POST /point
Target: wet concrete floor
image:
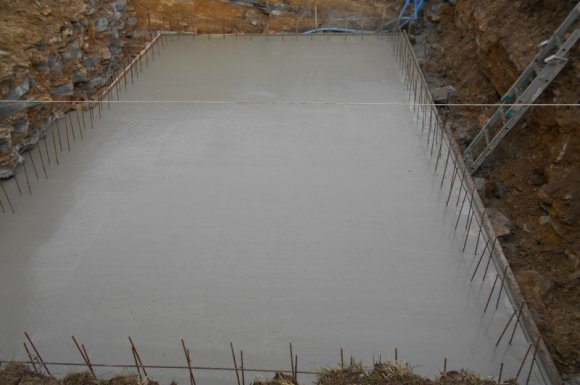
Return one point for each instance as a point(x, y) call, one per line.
point(291, 202)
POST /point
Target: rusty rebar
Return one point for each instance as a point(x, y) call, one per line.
point(188, 360)
point(516, 324)
point(455, 168)
point(296, 368)
point(508, 324)
point(472, 212)
point(30, 357)
point(138, 357)
point(2, 207)
point(291, 359)
point(524, 361)
point(33, 165)
point(501, 289)
point(235, 363)
point(500, 373)
point(46, 149)
point(54, 146)
point(480, 258)
point(84, 355)
point(42, 162)
point(67, 136)
point(72, 127)
point(489, 259)
point(533, 360)
point(17, 184)
point(491, 292)
point(58, 133)
point(26, 175)
point(37, 354)
point(7, 198)
point(242, 367)
point(136, 363)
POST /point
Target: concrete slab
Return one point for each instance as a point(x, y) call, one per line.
point(271, 191)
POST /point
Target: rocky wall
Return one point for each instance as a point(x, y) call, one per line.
point(55, 51)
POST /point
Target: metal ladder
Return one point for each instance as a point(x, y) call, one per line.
point(531, 83)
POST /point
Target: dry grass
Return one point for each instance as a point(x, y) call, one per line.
point(384, 373)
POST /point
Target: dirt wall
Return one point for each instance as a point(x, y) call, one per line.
point(533, 177)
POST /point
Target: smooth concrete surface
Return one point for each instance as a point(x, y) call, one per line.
point(305, 212)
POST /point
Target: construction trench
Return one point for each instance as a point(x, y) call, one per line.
point(302, 190)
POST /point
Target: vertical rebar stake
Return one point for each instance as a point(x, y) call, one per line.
point(242, 367)
point(523, 361)
point(516, 325)
point(235, 363)
point(37, 354)
point(30, 357)
point(291, 359)
point(7, 197)
point(26, 175)
point(491, 292)
point(508, 324)
point(42, 161)
point(533, 360)
point(501, 289)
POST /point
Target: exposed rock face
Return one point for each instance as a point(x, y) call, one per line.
point(480, 47)
point(51, 52)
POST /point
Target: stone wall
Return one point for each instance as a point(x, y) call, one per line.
point(53, 51)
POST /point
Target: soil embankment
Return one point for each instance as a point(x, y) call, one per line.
point(533, 177)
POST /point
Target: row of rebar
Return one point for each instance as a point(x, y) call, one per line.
point(441, 145)
point(40, 366)
point(71, 122)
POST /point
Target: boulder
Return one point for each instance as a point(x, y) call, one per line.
point(72, 52)
point(79, 75)
point(101, 24)
point(63, 90)
point(19, 91)
point(443, 94)
point(501, 224)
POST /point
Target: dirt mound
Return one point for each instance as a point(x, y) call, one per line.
point(19, 374)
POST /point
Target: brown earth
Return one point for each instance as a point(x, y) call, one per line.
point(19, 374)
point(533, 177)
